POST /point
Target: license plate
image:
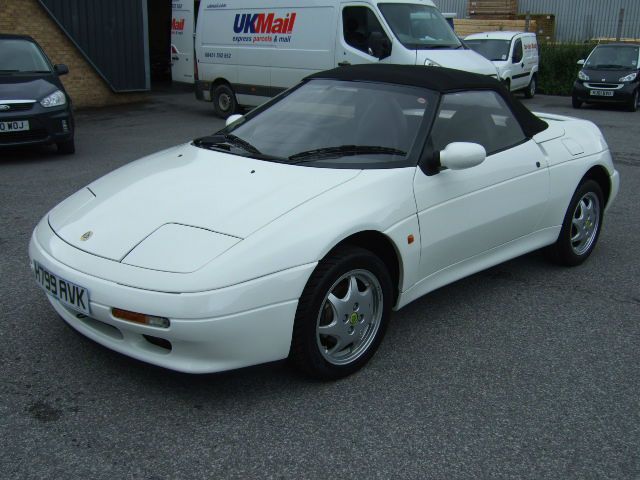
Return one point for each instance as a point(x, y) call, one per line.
point(601, 93)
point(70, 294)
point(16, 126)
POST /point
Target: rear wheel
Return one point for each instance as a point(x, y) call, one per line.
point(581, 225)
point(342, 314)
point(224, 101)
point(530, 91)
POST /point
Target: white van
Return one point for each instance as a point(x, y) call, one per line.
point(247, 52)
point(515, 55)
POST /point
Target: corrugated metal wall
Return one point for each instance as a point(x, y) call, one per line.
point(576, 20)
point(111, 34)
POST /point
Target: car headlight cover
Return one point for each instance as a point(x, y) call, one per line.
point(582, 75)
point(430, 63)
point(179, 248)
point(54, 99)
point(629, 78)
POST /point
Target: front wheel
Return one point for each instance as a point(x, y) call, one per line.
point(575, 102)
point(66, 147)
point(530, 91)
point(224, 101)
point(581, 225)
point(342, 314)
point(633, 105)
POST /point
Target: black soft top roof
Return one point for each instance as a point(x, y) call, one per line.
point(443, 80)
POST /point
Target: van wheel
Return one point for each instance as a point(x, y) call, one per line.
point(530, 91)
point(224, 101)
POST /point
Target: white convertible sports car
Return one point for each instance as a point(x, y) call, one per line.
point(296, 229)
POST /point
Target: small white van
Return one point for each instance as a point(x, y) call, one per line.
point(248, 50)
point(515, 55)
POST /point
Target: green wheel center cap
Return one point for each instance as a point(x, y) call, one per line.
point(353, 319)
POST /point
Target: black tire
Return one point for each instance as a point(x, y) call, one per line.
point(581, 225)
point(67, 147)
point(575, 102)
point(633, 105)
point(224, 101)
point(366, 312)
point(530, 91)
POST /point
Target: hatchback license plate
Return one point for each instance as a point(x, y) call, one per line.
point(601, 93)
point(16, 126)
point(70, 294)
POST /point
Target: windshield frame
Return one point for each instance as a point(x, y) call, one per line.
point(491, 41)
point(609, 51)
point(36, 48)
point(456, 42)
point(410, 160)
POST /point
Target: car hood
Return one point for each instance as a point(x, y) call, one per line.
point(460, 59)
point(228, 195)
point(26, 87)
point(607, 75)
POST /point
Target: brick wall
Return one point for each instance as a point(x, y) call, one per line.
point(84, 85)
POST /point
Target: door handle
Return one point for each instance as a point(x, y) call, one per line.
point(344, 64)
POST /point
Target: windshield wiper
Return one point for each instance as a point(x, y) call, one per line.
point(9, 71)
point(343, 151)
point(224, 141)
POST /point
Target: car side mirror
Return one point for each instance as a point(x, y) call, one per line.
point(61, 69)
point(461, 155)
point(380, 45)
point(233, 118)
point(581, 61)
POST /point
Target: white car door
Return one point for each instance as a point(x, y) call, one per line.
point(464, 213)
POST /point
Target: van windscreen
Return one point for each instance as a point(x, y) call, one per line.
point(419, 27)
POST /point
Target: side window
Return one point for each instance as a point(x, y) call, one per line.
point(517, 51)
point(362, 30)
point(476, 116)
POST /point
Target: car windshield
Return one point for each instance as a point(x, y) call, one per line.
point(17, 55)
point(620, 57)
point(419, 26)
point(491, 49)
point(331, 123)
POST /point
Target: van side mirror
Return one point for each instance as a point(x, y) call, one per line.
point(581, 61)
point(461, 155)
point(61, 69)
point(379, 45)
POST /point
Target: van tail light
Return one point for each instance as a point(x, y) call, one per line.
point(196, 72)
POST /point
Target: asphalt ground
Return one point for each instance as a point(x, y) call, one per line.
point(526, 370)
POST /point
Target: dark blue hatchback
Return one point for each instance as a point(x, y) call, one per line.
point(34, 106)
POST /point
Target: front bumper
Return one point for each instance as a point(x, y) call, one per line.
point(203, 90)
point(210, 331)
point(619, 93)
point(46, 126)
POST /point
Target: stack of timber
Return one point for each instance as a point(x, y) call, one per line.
point(464, 27)
point(488, 15)
point(545, 25)
point(503, 8)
